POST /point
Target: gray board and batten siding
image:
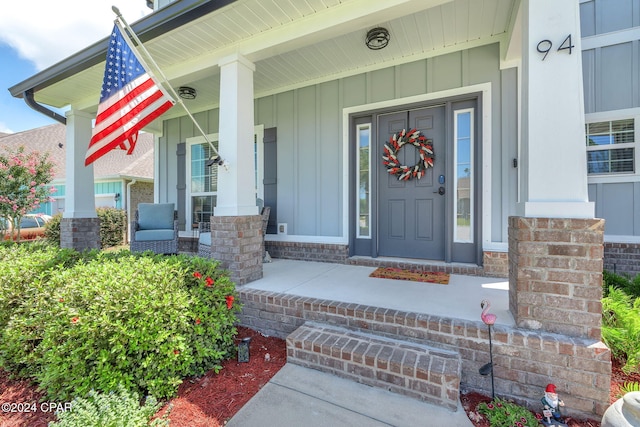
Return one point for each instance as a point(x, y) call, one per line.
point(611, 75)
point(309, 135)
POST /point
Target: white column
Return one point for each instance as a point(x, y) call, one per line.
point(79, 191)
point(236, 183)
point(553, 175)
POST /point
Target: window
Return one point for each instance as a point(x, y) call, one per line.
point(363, 181)
point(463, 184)
point(611, 147)
point(203, 182)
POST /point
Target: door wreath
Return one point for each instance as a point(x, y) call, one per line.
point(396, 142)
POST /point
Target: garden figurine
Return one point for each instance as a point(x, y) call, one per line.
point(551, 413)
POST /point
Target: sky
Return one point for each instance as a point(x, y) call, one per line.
point(37, 34)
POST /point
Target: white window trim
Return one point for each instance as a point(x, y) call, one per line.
point(188, 193)
point(358, 129)
point(471, 177)
point(608, 116)
point(259, 138)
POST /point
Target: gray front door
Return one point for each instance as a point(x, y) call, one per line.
point(411, 213)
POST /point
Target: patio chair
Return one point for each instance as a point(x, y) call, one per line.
point(155, 228)
point(204, 239)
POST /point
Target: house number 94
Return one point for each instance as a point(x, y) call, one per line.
point(544, 46)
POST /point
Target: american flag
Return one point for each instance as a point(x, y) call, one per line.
point(130, 99)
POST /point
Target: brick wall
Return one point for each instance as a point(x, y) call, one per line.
point(236, 241)
point(80, 233)
point(141, 192)
point(495, 264)
point(322, 252)
point(525, 360)
point(555, 274)
point(622, 258)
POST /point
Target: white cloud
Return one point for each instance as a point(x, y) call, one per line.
point(4, 128)
point(46, 31)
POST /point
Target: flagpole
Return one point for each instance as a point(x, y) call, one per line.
point(217, 160)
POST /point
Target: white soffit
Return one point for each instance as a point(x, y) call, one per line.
point(295, 43)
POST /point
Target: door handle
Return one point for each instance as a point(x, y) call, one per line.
point(440, 191)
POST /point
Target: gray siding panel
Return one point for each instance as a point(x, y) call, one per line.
point(381, 84)
point(589, 79)
point(285, 119)
point(616, 77)
point(588, 19)
point(309, 127)
point(330, 160)
point(619, 205)
point(447, 72)
point(505, 194)
point(412, 79)
point(604, 16)
point(354, 90)
point(617, 208)
point(305, 166)
point(615, 15)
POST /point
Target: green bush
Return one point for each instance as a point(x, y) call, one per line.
point(631, 286)
point(115, 409)
point(19, 265)
point(628, 387)
point(621, 327)
point(52, 229)
point(113, 226)
point(502, 413)
point(95, 320)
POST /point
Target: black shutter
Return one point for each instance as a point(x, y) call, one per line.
point(270, 178)
point(181, 187)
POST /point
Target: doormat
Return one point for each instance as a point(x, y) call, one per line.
point(412, 275)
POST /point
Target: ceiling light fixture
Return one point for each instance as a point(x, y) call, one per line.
point(187, 92)
point(377, 38)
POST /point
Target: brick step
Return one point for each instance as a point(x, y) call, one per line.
point(423, 372)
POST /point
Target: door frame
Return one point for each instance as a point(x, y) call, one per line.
point(369, 114)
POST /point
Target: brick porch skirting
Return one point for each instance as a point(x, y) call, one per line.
point(525, 361)
point(321, 252)
point(622, 258)
point(80, 233)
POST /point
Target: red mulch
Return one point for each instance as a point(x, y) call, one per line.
point(214, 398)
point(211, 400)
point(21, 392)
point(470, 401)
point(207, 401)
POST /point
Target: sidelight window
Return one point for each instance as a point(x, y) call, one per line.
point(463, 178)
point(363, 180)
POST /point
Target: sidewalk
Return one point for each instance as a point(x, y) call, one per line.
point(298, 396)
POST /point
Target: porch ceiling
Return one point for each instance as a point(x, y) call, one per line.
point(294, 44)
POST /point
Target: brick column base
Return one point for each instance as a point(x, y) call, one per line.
point(555, 274)
point(237, 242)
point(80, 233)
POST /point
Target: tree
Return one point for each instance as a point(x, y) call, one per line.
point(23, 184)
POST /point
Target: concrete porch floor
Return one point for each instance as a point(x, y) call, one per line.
point(460, 299)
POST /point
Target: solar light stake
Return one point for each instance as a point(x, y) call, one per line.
point(243, 350)
point(488, 319)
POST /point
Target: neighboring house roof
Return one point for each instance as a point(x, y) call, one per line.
point(116, 164)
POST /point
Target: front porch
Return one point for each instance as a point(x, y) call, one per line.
point(351, 284)
point(420, 339)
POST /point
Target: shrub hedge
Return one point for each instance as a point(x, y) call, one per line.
point(621, 327)
point(113, 226)
point(96, 320)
